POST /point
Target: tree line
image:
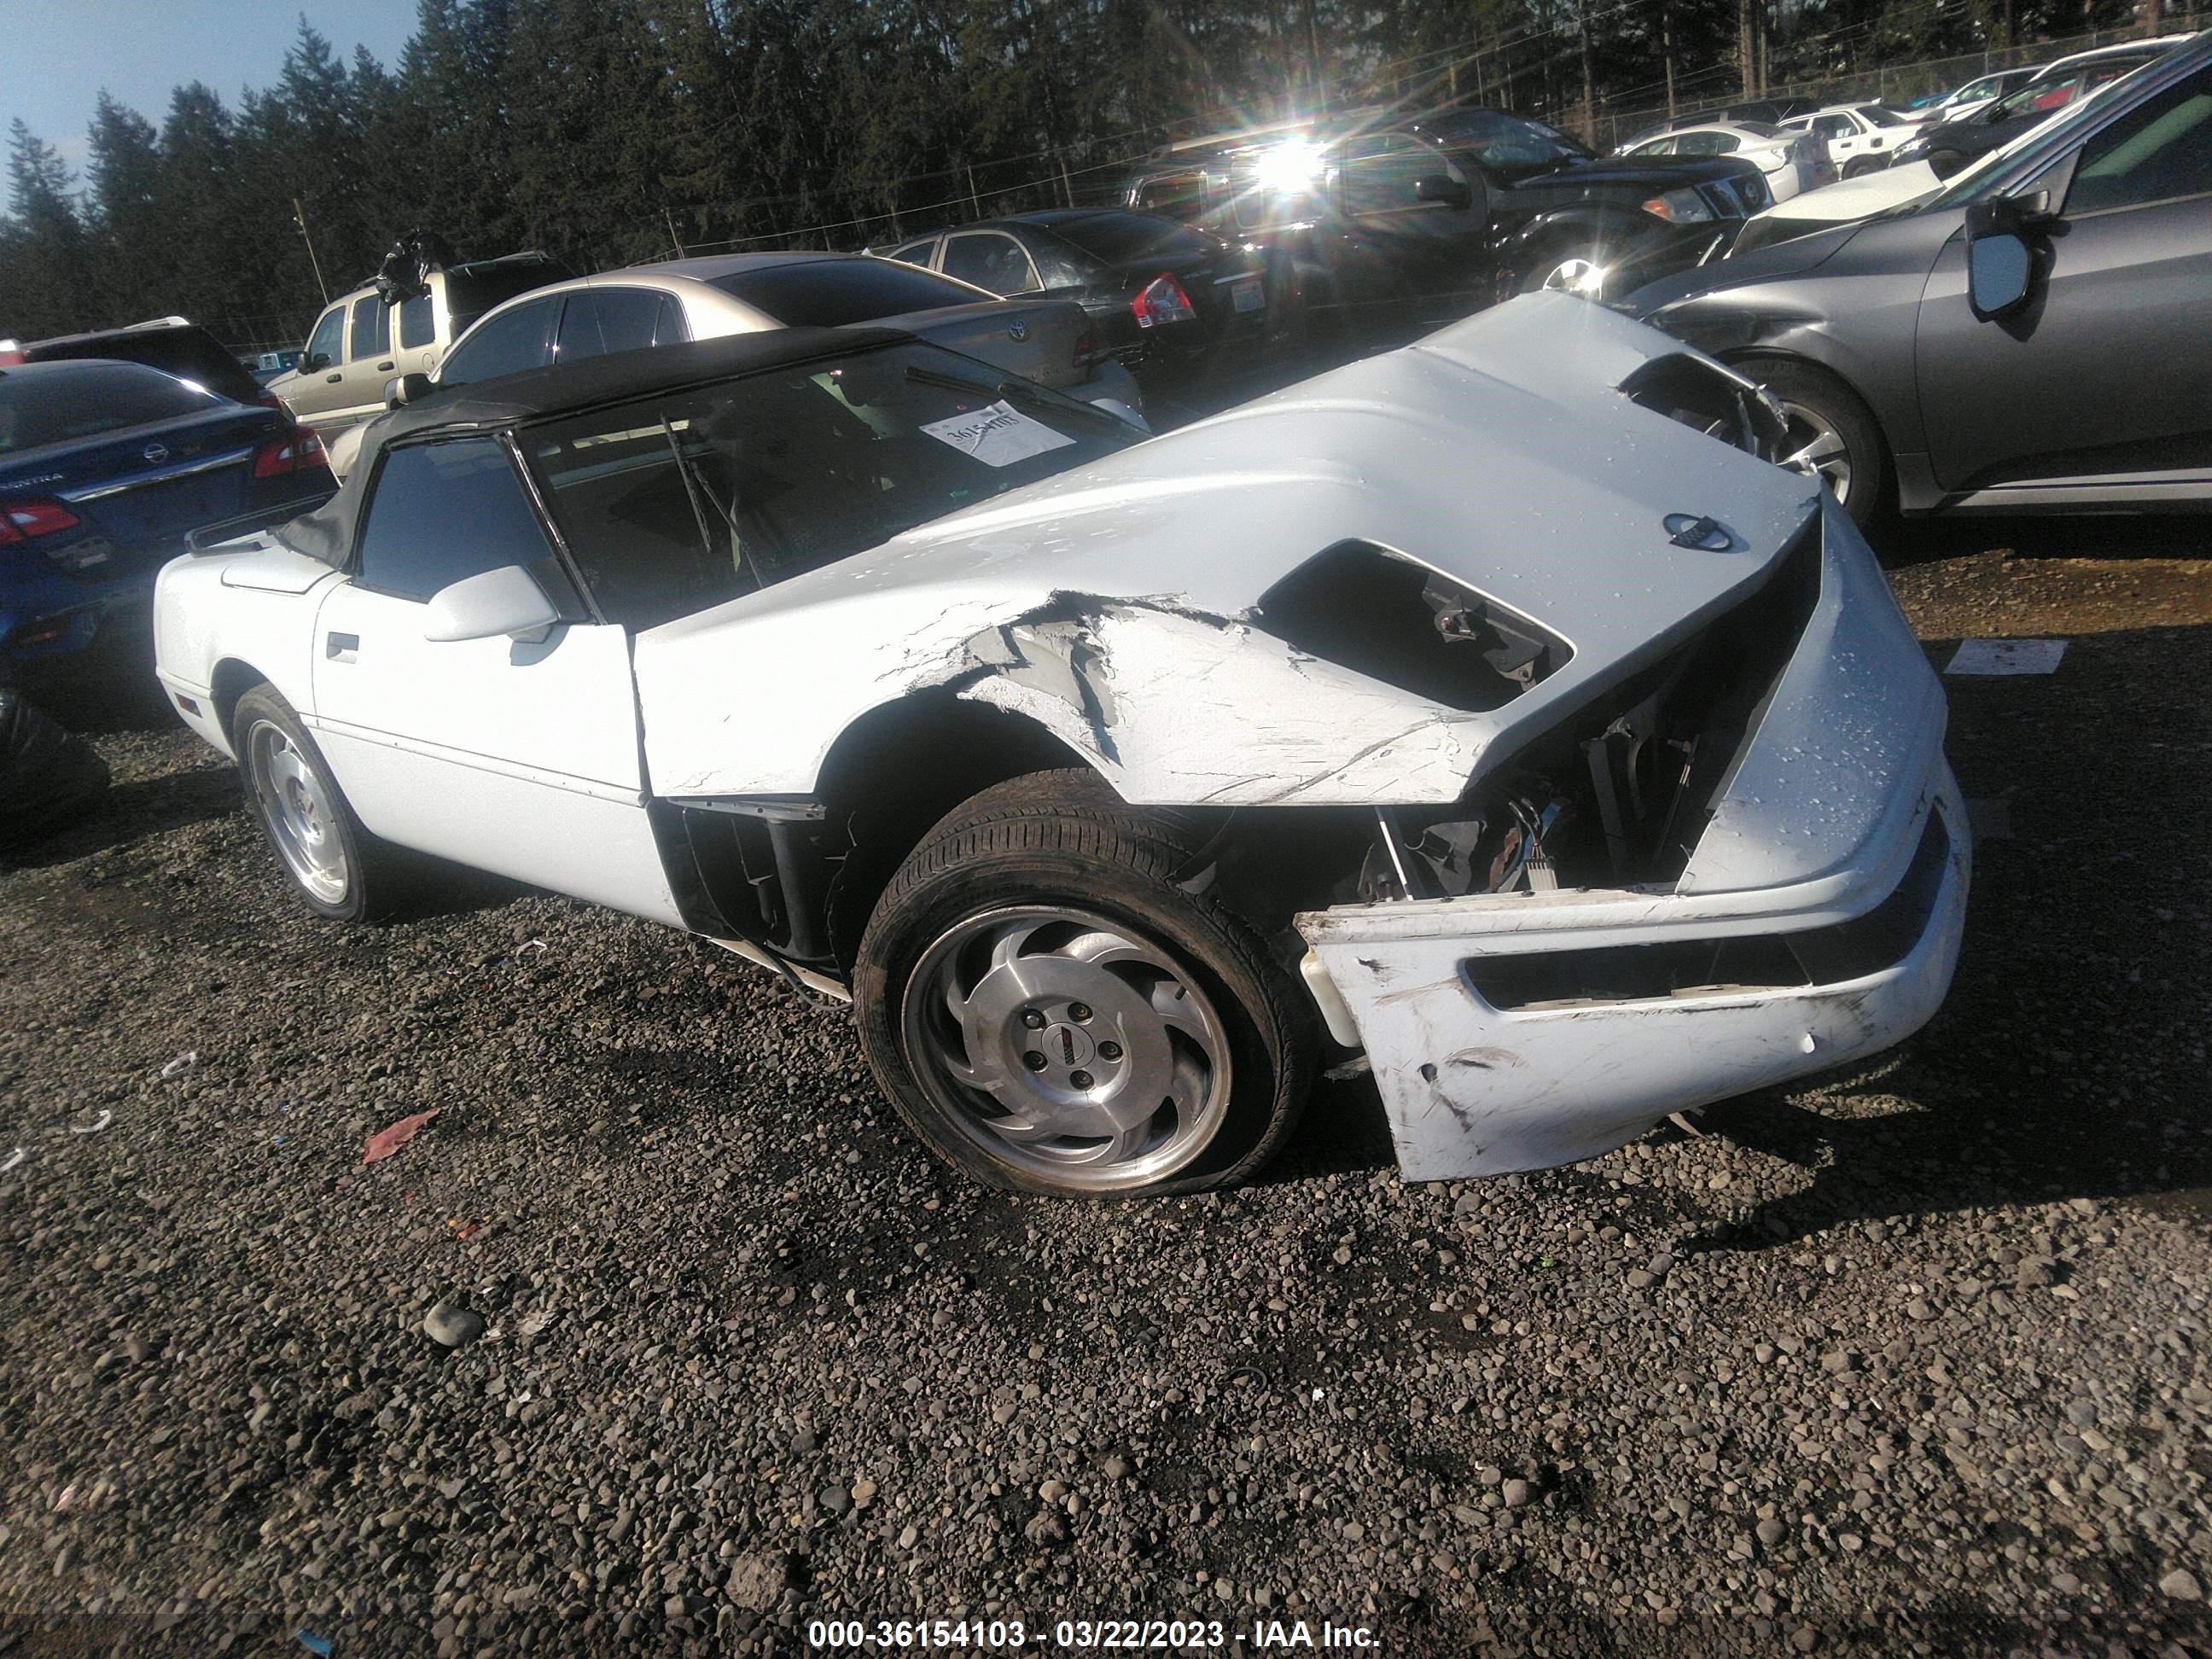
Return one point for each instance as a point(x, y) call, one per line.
point(607, 132)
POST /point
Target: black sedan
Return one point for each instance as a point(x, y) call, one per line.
point(1386, 224)
point(2029, 337)
point(105, 466)
point(1177, 304)
point(1950, 147)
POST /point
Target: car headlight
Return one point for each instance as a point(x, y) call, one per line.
point(1679, 207)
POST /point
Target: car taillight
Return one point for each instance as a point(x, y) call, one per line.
point(1086, 349)
point(20, 521)
point(294, 452)
point(1162, 301)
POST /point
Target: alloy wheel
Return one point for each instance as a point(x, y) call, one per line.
point(302, 819)
point(1068, 1046)
point(1815, 446)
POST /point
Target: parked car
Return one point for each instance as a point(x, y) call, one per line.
point(358, 346)
point(1763, 111)
point(1961, 100)
point(105, 465)
point(1174, 304)
point(1106, 776)
point(2029, 336)
point(1388, 224)
point(168, 343)
point(1859, 137)
point(1791, 162)
point(266, 366)
point(1050, 342)
point(1948, 146)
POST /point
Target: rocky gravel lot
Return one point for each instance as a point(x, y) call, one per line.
point(662, 1337)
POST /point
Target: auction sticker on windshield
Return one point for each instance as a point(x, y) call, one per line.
point(998, 435)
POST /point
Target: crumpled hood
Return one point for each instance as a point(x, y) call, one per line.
point(1113, 603)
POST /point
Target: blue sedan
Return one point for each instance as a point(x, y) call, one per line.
point(104, 467)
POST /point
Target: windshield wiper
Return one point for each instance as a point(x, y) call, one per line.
point(695, 486)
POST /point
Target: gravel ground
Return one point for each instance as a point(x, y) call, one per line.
point(1914, 1360)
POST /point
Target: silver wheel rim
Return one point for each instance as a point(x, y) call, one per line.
point(1581, 276)
point(1066, 1047)
point(1816, 447)
point(302, 817)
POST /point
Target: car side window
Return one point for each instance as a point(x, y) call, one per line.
point(915, 253)
point(2157, 153)
point(512, 341)
point(371, 329)
point(1705, 143)
point(328, 341)
point(1835, 126)
point(990, 260)
point(444, 512)
point(669, 326)
point(1379, 175)
point(418, 324)
point(598, 320)
point(1062, 264)
point(1656, 146)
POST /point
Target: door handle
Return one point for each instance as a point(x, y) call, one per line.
point(382, 368)
point(333, 378)
point(342, 647)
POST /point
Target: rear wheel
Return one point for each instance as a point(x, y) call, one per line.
point(336, 866)
point(1052, 1010)
point(1831, 432)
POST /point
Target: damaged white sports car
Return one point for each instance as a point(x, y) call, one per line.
point(1490, 706)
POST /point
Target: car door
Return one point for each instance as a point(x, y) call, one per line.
point(1840, 133)
point(2108, 371)
point(990, 259)
point(414, 333)
point(315, 385)
point(1425, 257)
point(510, 755)
point(370, 363)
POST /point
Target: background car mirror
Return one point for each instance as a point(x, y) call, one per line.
point(1441, 187)
point(507, 600)
point(406, 389)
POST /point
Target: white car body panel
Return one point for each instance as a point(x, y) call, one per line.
point(1115, 606)
point(1199, 525)
point(1792, 164)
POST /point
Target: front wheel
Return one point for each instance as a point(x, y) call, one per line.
point(1831, 433)
point(1052, 1008)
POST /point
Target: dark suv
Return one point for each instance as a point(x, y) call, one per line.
point(1380, 224)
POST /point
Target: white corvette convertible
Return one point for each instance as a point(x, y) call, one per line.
point(1491, 707)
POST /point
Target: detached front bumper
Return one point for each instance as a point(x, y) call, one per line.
point(1819, 922)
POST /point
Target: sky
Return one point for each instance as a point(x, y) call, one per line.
point(60, 53)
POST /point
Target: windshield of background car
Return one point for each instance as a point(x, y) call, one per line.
point(1121, 239)
point(833, 293)
point(84, 400)
point(2024, 157)
point(1882, 117)
point(679, 502)
point(1501, 140)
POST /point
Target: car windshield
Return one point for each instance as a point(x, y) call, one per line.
point(681, 500)
point(60, 405)
point(833, 293)
point(1501, 140)
point(1119, 238)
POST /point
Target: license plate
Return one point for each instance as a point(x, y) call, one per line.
point(1248, 296)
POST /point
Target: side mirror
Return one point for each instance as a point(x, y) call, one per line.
point(407, 389)
point(507, 600)
point(2000, 263)
point(1442, 187)
point(314, 360)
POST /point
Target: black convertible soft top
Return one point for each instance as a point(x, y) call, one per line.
point(539, 394)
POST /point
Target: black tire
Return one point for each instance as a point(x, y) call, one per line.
point(1813, 399)
point(1858, 167)
point(49, 777)
point(1529, 276)
point(370, 877)
point(1057, 854)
